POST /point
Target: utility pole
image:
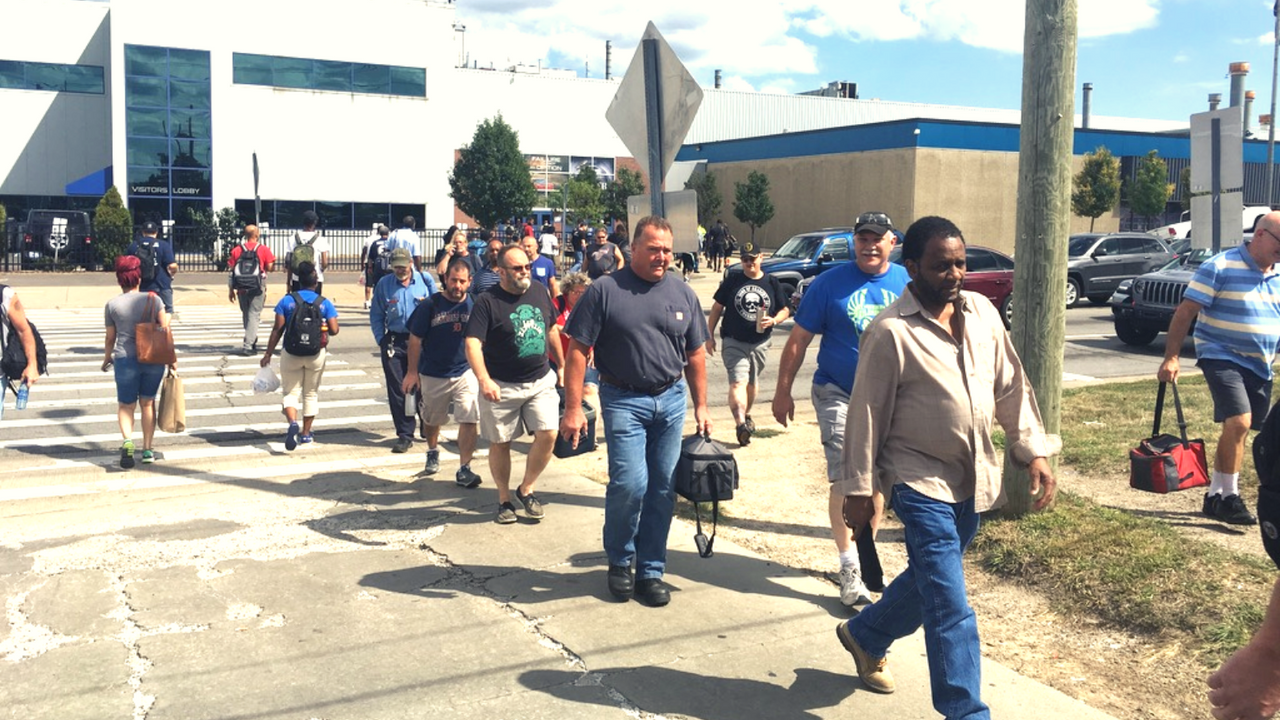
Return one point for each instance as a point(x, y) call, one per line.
point(1271, 123)
point(1044, 215)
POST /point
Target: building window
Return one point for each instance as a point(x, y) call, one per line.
point(329, 75)
point(19, 75)
point(335, 215)
point(168, 132)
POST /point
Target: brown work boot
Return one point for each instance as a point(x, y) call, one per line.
point(871, 670)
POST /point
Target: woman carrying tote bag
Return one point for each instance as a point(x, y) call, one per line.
point(136, 382)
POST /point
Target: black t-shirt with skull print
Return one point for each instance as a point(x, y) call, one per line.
point(742, 297)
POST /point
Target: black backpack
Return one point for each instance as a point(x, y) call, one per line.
point(13, 357)
point(303, 332)
point(147, 254)
point(380, 256)
point(246, 274)
point(706, 472)
point(1266, 450)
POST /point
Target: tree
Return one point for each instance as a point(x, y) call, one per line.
point(491, 181)
point(1096, 188)
point(1150, 188)
point(1184, 182)
point(112, 227)
point(583, 196)
point(625, 184)
point(709, 198)
point(751, 203)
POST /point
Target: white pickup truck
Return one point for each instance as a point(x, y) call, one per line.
point(1182, 228)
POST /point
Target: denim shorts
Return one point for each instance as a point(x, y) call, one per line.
point(1236, 391)
point(136, 380)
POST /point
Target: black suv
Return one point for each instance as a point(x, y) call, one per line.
point(1098, 262)
point(1142, 308)
point(56, 238)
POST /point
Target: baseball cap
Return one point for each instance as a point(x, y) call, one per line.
point(150, 228)
point(400, 257)
point(749, 250)
point(876, 222)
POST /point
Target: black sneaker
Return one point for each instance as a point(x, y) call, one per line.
point(751, 425)
point(506, 514)
point(403, 445)
point(532, 507)
point(466, 478)
point(1210, 507)
point(744, 435)
point(1231, 510)
point(433, 463)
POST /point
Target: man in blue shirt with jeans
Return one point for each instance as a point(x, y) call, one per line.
point(394, 299)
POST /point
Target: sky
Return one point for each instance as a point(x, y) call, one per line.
point(1154, 59)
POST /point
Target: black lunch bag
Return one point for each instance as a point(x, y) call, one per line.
point(706, 472)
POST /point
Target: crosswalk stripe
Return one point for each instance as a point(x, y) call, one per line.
point(52, 384)
point(111, 400)
point(183, 370)
point(77, 440)
point(191, 413)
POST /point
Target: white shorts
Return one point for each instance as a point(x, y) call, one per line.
point(438, 393)
point(531, 406)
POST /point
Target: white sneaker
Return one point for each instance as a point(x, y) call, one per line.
point(852, 591)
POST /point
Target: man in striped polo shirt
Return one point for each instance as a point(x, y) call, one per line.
point(1234, 298)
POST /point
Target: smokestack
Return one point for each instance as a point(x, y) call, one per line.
point(1238, 71)
point(1215, 99)
point(717, 78)
point(608, 59)
point(1088, 96)
point(1248, 111)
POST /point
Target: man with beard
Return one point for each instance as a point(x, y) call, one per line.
point(438, 363)
point(937, 372)
point(646, 330)
point(839, 305)
point(511, 330)
point(395, 298)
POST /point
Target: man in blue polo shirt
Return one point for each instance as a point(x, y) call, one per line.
point(542, 268)
point(839, 305)
point(395, 298)
point(1234, 298)
point(159, 264)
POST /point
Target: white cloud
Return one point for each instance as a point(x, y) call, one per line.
point(1181, 58)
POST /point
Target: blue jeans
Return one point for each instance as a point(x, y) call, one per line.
point(644, 435)
point(931, 592)
point(136, 380)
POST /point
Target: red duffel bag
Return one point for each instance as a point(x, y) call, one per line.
point(1164, 463)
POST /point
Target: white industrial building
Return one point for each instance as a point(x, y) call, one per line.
point(355, 110)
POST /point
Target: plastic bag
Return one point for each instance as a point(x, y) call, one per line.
point(266, 381)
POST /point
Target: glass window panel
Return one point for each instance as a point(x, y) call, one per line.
point(146, 92)
point(46, 76)
point(409, 81)
point(332, 76)
point(334, 214)
point(148, 181)
point(289, 212)
point(192, 183)
point(979, 261)
point(369, 214)
point(84, 79)
point(182, 212)
point(251, 69)
point(150, 61)
point(192, 153)
point(291, 73)
point(148, 152)
point(147, 122)
point(371, 78)
point(244, 208)
point(189, 95)
point(398, 211)
point(1004, 263)
point(189, 64)
point(190, 123)
point(12, 74)
point(147, 209)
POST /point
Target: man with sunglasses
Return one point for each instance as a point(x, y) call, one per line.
point(511, 329)
point(751, 303)
point(1234, 299)
point(839, 305)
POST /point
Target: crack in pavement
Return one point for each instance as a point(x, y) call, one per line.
point(26, 639)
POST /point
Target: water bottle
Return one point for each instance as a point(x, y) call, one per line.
point(411, 404)
point(23, 393)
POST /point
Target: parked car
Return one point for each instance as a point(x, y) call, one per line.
point(1142, 308)
point(987, 271)
point(1098, 262)
point(64, 235)
point(1182, 229)
point(807, 255)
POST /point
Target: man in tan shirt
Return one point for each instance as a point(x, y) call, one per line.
point(937, 372)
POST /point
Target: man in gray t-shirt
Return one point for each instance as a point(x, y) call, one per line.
point(647, 330)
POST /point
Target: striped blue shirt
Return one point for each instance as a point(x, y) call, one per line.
point(1240, 319)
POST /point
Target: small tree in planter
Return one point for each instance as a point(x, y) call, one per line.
point(112, 228)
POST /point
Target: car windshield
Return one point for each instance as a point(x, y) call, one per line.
point(800, 247)
point(1080, 244)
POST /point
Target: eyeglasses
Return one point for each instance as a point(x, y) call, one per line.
point(518, 268)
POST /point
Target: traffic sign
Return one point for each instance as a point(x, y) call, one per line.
point(1217, 178)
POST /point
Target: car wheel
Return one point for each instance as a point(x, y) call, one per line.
point(1073, 292)
point(1006, 311)
point(1099, 299)
point(1131, 334)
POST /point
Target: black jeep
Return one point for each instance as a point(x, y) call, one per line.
point(1143, 307)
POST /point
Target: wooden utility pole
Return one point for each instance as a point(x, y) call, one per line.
point(1044, 214)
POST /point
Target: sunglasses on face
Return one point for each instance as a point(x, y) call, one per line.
point(518, 268)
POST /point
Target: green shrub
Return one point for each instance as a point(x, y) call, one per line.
point(112, 228)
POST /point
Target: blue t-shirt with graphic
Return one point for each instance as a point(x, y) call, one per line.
point(441, 324)
point(838, 306)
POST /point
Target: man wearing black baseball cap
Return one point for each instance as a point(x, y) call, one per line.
point(158, 263)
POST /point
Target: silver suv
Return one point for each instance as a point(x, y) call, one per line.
point(1098, 262)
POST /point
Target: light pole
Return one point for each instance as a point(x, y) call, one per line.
point(1271, 125)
